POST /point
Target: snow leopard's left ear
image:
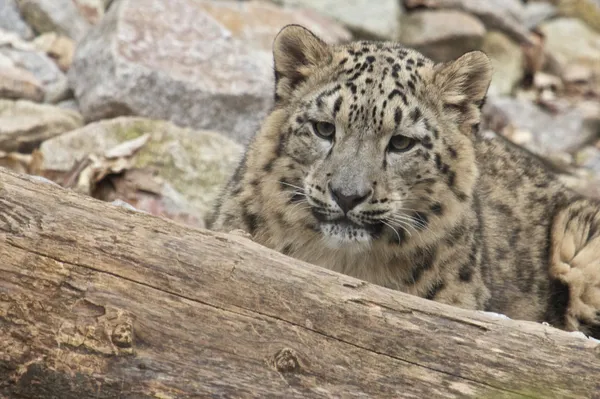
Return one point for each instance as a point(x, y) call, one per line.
point(297, 53)
point(463, 85)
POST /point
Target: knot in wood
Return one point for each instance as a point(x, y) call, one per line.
point(286, 360)
point(122, 335)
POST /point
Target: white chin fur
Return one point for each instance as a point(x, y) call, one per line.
point(336, 236)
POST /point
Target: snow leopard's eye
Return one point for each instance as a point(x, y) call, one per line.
point(399, 143)
point(324, 130)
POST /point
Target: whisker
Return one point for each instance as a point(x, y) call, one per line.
point(394, 230)
point(289, 184)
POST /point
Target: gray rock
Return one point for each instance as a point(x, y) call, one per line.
point(550, 134)
point(58, 91)
point(502, 15)
point(91, 10)
point(16, 83)
point(60, 16)
point(202, 64)
point(24, 125)
point(589, 158)
point(190, 166)
point(507, 60)
point(39, 65)
point(538, 12)
point(361, 16)
point(441, 34)
point(11, 20)
point(69, 104)
point(571, 41)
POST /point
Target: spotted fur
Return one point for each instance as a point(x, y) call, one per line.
point(453, 216)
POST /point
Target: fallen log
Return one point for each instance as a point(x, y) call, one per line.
point(98, 301)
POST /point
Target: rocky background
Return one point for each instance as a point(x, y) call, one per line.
point(150, 102)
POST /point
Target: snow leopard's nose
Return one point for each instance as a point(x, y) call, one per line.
point(349, 200)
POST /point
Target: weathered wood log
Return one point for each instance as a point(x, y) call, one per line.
point(97, 301)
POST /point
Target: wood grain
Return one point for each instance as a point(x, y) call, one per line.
point(97, 301)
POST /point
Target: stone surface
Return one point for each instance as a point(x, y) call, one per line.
point(16, 83)
point(91, 10)
point(11, 20)
point(202, 64)
point(507, 60)
point(69, 104)
point(39, 65)
point(571, 41)
point(23, 124)
point(538, 12)
point(502, 15)
point(61, 16)
point(441, 34)
point(59, 48)
point(550, 134)
point(191, 165)
point(586, 10)
point(363, 17)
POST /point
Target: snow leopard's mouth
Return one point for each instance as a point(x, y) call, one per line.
point(343, 231)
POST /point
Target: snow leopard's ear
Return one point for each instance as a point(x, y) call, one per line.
point(463, 85)
point(297, 53)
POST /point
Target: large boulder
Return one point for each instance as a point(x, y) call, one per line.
point(11, 20)
point(17, 53)
point(24, 125)
point(62, 16)
point(367, 20)
point(586, 10)
point(507, 60)
point(16, 83)
point(571, 41)
point(441, 34)
point(202, 64)
point(543, 132)
point(173, 172)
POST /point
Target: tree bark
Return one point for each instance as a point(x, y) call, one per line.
point(97, 301)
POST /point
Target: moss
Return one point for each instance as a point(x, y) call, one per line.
point(132, 130)
point(206, 165)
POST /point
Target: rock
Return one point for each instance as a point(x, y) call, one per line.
point(507, 60)
point(586, 10)
point(552, 134)
point(57, 92)
point(189, 166)
point(11, 20)
point(39, 65)
point(577, 74)
point(69, 104)
point(441, 35)
point(502, 15)
point(24, 125)
point(60, 16)
point(571, 41)
point(16, 83)
point(538, 12)
point(15, 52)
point(12, 39)
point(91, 10)
point(60, 48)
point(202, 64)
point(360, 16)
point(589, 158)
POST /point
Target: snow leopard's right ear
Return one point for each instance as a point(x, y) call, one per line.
point(297, 53)
point(462, 86)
